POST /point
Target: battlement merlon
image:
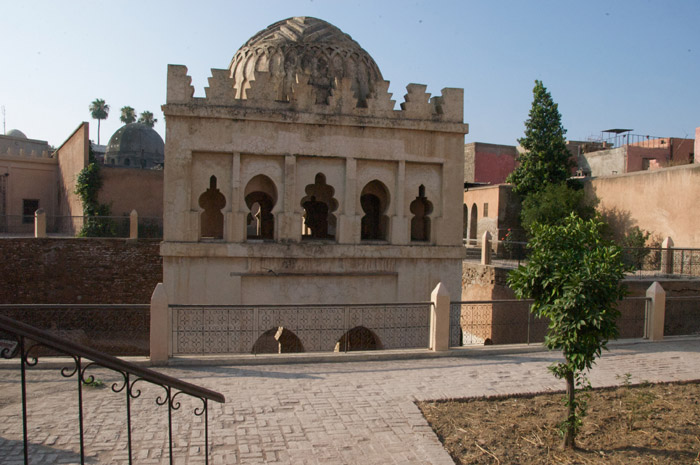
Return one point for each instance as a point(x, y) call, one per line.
point(180, 89)
point(260, 95)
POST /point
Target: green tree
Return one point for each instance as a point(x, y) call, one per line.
point(147, 118)
point(99, 111)
point(574, 277)
point(546, 159)
point(554, 203)
point(128, 115)
point(87, 186)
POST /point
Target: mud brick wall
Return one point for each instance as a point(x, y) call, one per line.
point(78, 271)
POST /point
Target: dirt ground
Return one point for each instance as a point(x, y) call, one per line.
point(640, 424)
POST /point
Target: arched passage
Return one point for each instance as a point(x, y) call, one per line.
point(358, 338)
point(278, 341)
point(260, 198)
point(374, 200)
point(212, 220)
point(421, 208)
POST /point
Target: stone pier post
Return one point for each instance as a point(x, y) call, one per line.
point(657, 312)
point(133, 225)
point(40, 223)
point(160, 327)
point(440, 319)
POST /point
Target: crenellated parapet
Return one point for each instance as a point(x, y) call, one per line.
point(342, 97)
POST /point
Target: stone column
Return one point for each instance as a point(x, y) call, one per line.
point(667, 256)
point(347, 231)
point(486, 248)
point(133, 225)
point(440, 319)
point(290, 217)
point(657, 312)
point(234, 218)
point(400, 226)
point(160, 327)
point(40, 223)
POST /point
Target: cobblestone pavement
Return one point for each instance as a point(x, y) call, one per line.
point(311, 413)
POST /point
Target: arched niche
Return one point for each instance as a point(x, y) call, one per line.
point(465, 221)
point(319, 205)
point(260, 196)
point(421, 208)
point(277, 341)
point(374, 200)
point(358, 338)
point(212, 220)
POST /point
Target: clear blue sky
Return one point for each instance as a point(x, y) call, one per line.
point(632, 64)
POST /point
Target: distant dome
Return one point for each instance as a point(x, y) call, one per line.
point(135, 145)
point(305, 45)
point(16, 133)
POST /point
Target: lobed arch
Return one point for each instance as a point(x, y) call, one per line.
point(319, 204)
point(278, 340)
point(421, 208)
point(358, 338)
point(212, 201)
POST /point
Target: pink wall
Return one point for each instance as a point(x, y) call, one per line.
point(493, 163)
point(636, 155)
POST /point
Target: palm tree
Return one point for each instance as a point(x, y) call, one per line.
point(128, 115)
point(99, 110)
point(147, 119)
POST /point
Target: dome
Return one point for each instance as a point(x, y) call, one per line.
point(16, 133)
point(304, 45)
point(135, 145)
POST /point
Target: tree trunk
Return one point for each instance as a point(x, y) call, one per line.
point(570, 434)
point(98, 131)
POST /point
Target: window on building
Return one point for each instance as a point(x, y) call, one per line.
point(260, 198)
point(29, 206)
point(486, 209)
point(374, 200)
point(212, 220)
point(421, 208)
point(319, 205)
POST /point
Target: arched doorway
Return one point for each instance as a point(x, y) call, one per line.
point(473, 222)
point(374, 200)
point(260, 198)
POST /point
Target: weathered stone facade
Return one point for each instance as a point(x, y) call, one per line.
point(311, 191)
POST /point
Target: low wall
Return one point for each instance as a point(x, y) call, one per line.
point(83, 271)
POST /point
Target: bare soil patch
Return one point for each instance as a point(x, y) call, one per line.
point(645, 424)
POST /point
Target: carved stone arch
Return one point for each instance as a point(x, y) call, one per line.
point(374, 200)
point(358, 338)
point(211, 219)
point(260, 197)
point(319, 205)
point(421, 208)
point(278, 340)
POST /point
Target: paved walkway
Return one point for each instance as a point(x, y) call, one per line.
point(329, 413)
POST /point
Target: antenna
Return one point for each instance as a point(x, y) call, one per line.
point(4, 131)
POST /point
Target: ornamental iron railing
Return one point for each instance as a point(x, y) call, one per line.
point(24, 341)
point(509, 321)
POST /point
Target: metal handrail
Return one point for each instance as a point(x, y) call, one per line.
point(130, 372)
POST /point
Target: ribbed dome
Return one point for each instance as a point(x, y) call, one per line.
point(304, 45)
point(16, 133)
point(135, 145)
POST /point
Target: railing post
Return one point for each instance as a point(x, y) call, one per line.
point(40, 223)
point(667, 256)
point(657, 313)
point(133, 225)
point(440, 319)
point(160, 326)
point(486, 248)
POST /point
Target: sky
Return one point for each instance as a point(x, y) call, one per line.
point(608, 64)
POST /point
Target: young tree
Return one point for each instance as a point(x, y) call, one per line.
point(574, 277)
point(554, 203)
point(128, 115)
point(99, 111)
point(148, 119)
point(546, 159)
